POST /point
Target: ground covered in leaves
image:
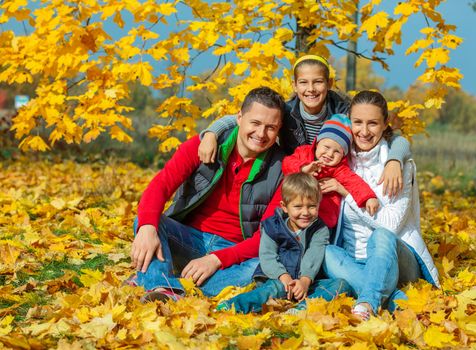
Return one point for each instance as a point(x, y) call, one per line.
point(65, 235)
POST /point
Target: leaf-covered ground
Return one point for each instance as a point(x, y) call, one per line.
point(65, 235)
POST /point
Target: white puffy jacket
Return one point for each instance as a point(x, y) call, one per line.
point(400, 214)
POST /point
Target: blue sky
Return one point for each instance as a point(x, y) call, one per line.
point(402, 72)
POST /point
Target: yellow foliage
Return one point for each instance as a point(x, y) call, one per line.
point(83, 73)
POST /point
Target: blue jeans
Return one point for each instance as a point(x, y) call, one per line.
point(389, 263)
point(182, 243)
point(253, 300)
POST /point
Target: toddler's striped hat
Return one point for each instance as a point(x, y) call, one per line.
point(337, 128)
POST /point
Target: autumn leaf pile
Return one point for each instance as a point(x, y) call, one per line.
point(65, 235)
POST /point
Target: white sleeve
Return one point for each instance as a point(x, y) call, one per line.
point(393, 215)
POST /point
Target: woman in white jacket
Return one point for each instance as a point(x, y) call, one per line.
point(376, 254)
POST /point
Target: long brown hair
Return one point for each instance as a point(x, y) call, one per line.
point(376, 99)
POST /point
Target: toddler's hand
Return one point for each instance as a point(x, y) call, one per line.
point(312, 168)
point(372, 206)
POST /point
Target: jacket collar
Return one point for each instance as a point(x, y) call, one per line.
point(227, 148)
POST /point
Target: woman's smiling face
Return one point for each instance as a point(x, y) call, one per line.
point(368, 125)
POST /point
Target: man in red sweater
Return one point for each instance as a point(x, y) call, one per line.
point(211, 231)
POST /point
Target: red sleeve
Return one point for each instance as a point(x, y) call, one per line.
point(353, 183)
point(182, 164)
point(249, 248)
point(302, 155)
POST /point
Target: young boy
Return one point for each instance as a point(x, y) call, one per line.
point(291, 251)
point(327, 158)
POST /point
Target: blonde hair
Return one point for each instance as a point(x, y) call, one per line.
point(300, 184)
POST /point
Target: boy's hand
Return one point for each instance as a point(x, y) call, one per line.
point(391, 178)
point(285, 279)
point(371, 206)
point(312, 168)
point(300, 287)
point(207, 150)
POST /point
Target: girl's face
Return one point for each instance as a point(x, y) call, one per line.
point(311, 86)
point(368, 126)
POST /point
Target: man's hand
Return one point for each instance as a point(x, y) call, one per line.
point(312, 168)
point(391, 178)
point(300, 287)
point(145, 245)
point(207, 150)
point(372, 206)
point(202, 268)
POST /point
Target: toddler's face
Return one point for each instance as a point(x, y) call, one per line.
point(329, 152)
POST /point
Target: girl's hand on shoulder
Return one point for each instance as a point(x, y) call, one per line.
point(329, 184)
point(392, 178)
point(207, 150)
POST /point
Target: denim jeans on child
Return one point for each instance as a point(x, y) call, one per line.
point(180, 244)
point(389, 262)
point(253, 300)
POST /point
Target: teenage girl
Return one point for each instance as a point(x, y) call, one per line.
point(312, 104)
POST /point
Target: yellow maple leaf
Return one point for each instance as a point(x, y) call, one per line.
point(98, 327)
point(34, 143)
point(435, 337)
point(405, 9)
point(90, 277)
point(5, 325)
point(169, 144)
point(118, 134)
point(371, 24)
point(144, 73)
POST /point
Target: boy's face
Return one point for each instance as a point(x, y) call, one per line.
point(301, 211)
point(329, 152)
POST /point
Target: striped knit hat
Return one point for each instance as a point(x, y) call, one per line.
point(337, 128)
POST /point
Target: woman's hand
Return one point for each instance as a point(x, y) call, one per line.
point(392, 178)
point(207, 150)
point(330, 184)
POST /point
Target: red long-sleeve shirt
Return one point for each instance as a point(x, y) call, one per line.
point(329, 208)
point(219, 213)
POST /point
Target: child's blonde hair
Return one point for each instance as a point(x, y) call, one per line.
point(300, 184)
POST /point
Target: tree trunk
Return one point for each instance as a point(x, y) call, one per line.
point(351, 74)
point(301, 38)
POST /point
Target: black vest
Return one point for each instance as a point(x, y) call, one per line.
point(256, 192)
point(290, 250)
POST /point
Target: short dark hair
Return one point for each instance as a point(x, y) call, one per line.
point(265, 96)
point(300, 184)
point(376, 99)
